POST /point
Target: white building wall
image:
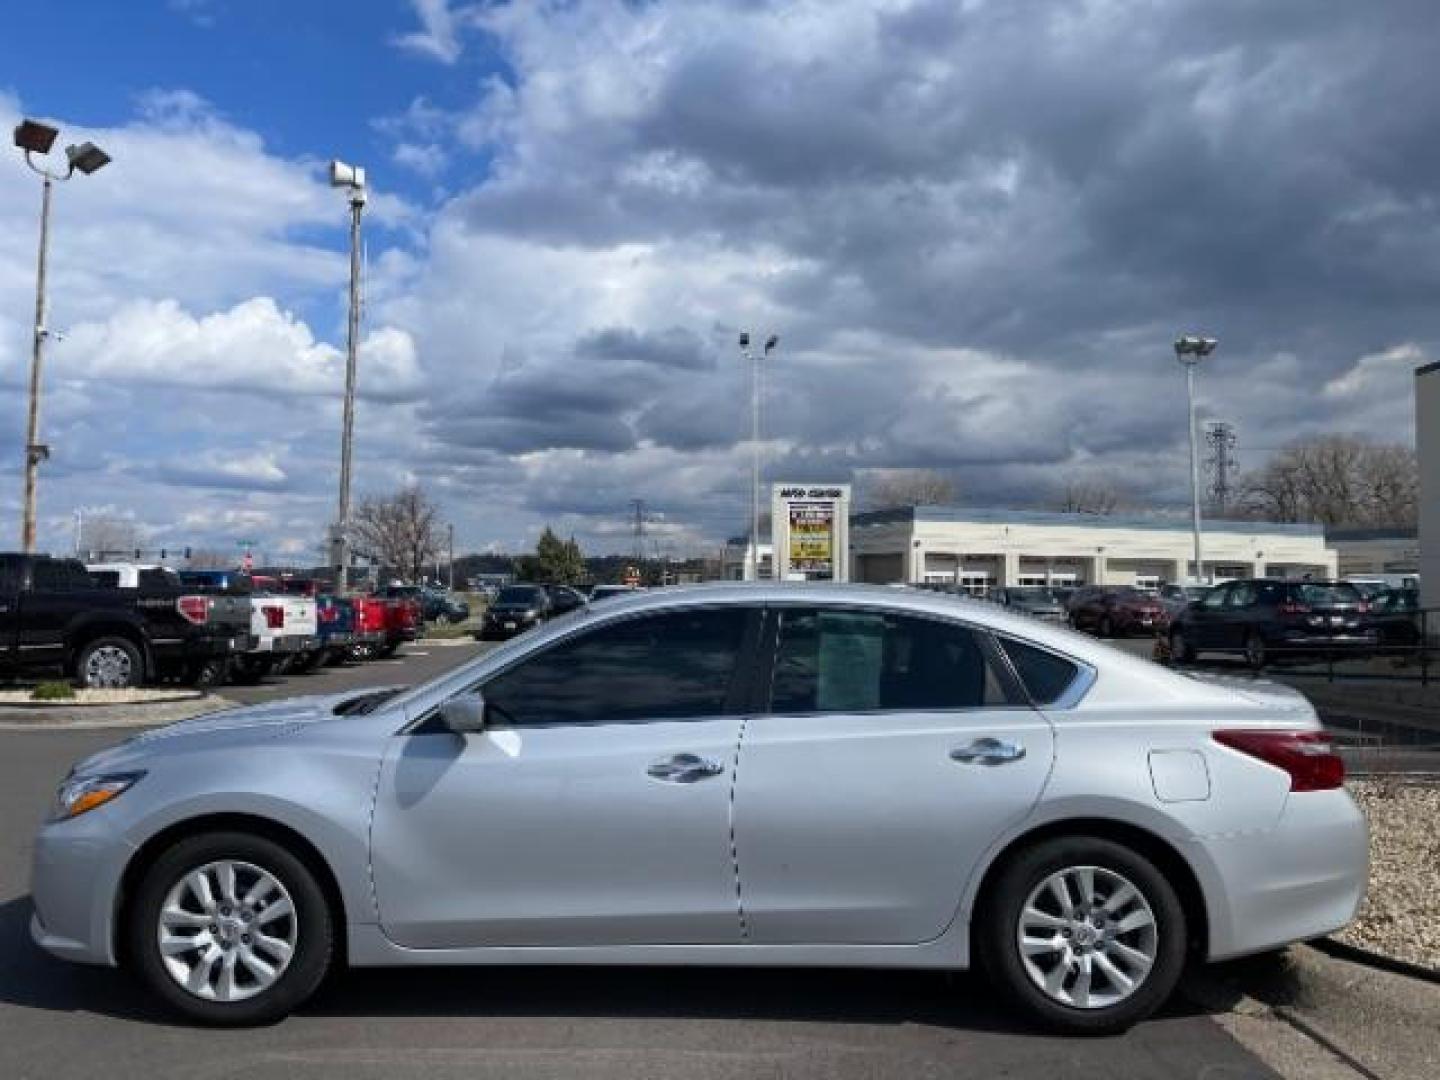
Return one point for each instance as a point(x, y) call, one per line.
point(1427, 444)
point(1108, 555)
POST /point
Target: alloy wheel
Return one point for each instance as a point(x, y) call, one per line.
point(227, 931)
point(1087, 937)
point(108, 667)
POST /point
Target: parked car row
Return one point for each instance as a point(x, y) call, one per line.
point(113, 625)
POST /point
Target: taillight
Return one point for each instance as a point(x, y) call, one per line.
point(329, 613)
point(1364, 607)
point(1293, 607)
point(1308, 756)
point(274, 617)
point(193, 609)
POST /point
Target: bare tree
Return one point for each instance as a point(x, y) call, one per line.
point(400, 530)
point(884, 488)
point(102, 534)
point(1335, 480)
point(1088, 495)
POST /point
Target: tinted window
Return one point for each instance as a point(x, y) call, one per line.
point(519, 594)
point(158, 579)
point(1340, 593)
point(855, 661)
point(109, 579)
point(50, 575)
point(1214, 599)
point(1044, 675)
point(1242, 595)
point(660, 667)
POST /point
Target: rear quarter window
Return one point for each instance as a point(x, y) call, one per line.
point(1044, 675)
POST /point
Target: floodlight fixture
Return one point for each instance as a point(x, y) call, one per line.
point(344, 175)
point(35, 137)
point(87, 157)
point(744, 339)
point(771, 342)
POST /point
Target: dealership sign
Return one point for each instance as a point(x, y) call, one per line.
point(811, 531)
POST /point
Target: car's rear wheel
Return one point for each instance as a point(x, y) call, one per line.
point(249, 670)
point(1255, 652)
point(203, 674)
point(230, 928)
point(1085, 934)
point(1107, 626)
point(110, 663)
point(1181, 651)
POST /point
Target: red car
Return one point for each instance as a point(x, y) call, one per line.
point(1117, 611)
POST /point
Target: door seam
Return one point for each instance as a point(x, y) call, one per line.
point(734, 849)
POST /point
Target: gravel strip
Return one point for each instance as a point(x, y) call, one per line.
point(1401, 914)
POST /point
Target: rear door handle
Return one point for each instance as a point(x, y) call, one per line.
point(684, 768)
point(988, 751)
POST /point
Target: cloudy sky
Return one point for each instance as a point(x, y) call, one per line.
point(975, 225)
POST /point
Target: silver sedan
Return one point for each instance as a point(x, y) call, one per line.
point(768, 775)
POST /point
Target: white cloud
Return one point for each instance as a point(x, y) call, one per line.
point(439, 35)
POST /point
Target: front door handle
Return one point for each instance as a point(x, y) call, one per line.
point(988, 751)
point(684, 768)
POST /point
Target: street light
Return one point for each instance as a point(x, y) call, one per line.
point(352, 178)
point(34, 138)
point(754, 360)
point(1190, 349)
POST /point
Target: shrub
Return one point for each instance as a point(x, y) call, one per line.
point(52, 691)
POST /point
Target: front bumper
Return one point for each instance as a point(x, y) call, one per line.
point(74, 881)
point(1301, 880)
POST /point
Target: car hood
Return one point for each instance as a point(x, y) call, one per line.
point(228, 727)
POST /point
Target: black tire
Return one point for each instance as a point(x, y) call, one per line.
point(384, 652)
point(1107, 627)
point(306, 662)
point(362, 652)
point(998, 922)
point(249, 670)
point(1256, 654)
point(314, 929)
point(110, 663)
point(1181, 651)
point(203, 674)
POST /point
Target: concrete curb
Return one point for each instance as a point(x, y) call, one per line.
point(40, 707)
point(81, 717)
point(1358, 954)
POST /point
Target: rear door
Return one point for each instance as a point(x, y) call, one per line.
point(1206, 619)
point(891, 757)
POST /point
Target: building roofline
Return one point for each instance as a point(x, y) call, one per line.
point(1427, 369)
point(1001, 516)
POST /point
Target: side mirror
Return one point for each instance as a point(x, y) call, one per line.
point(464, 714)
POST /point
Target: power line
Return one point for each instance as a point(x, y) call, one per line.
point(1221, 464)
point(638, 506)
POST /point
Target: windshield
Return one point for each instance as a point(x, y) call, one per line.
point(519, 594)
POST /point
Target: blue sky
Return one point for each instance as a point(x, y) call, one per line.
point(976, 228)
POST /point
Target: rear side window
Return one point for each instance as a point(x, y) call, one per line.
point(55, 575)
point(158, 579)
point(1044, 675)
point(109, 579)
point(858, 661)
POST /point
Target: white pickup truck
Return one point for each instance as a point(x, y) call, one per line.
point(284, 628)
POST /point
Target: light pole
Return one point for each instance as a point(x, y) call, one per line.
point(352, 179)
point(753, 570)
point(1189, 350)
point(33, 137)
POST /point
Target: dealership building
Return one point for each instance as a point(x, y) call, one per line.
point(1427, 445)
point(981, 549)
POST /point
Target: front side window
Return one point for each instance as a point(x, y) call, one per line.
point(859, 661)
point(1215, 599)
point(671, 666)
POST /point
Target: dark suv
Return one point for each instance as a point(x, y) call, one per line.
point(1266, 618)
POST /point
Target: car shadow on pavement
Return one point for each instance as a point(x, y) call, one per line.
point(32, 979)
point(29, 978)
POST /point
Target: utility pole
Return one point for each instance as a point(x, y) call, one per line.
point(752, 570)
point(1220, 436)
point(1189, 350)
point(637, 506)
point(450, 565)
point(33, 137)
point(353, 179)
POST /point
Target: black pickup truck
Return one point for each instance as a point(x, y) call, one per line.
point(55, 616)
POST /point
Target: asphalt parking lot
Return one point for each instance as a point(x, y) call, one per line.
point(60, 1021)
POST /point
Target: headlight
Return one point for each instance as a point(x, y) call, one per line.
point(78, 794)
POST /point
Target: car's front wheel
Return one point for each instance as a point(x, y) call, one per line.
point(230, 928)
point(1181, 651)
point(1084, 933)
point(110, 663)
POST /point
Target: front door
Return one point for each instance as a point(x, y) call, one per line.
point(890, 761)
point(593, 810)
point(1206, 620)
